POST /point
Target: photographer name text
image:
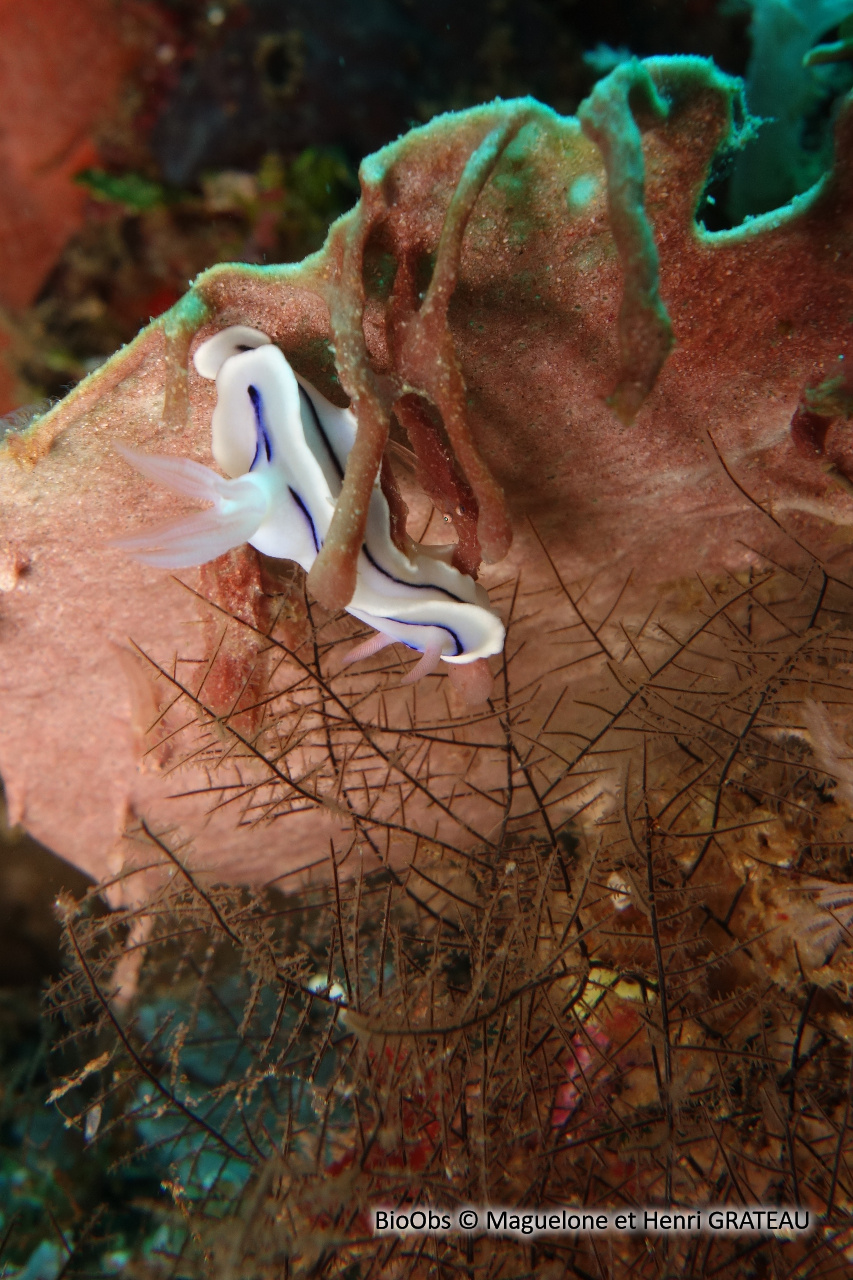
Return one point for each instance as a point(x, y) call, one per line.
point(477, 1220)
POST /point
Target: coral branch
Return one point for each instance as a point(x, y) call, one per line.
point(645, 331)
point(425, 351)
point(425, 360)
point(332, 577)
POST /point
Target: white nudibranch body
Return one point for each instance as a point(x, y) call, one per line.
point(284, 448)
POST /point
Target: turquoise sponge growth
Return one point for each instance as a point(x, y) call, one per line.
point(796, 99)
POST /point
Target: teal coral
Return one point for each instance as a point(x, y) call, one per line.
point(787, 85)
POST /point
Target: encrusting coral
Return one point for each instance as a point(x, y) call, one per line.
point(497, 288)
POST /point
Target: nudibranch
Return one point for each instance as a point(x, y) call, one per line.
point(283, 447)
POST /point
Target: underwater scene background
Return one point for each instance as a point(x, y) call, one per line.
point(615, 969)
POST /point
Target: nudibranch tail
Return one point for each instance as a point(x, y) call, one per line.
point(238, 509)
